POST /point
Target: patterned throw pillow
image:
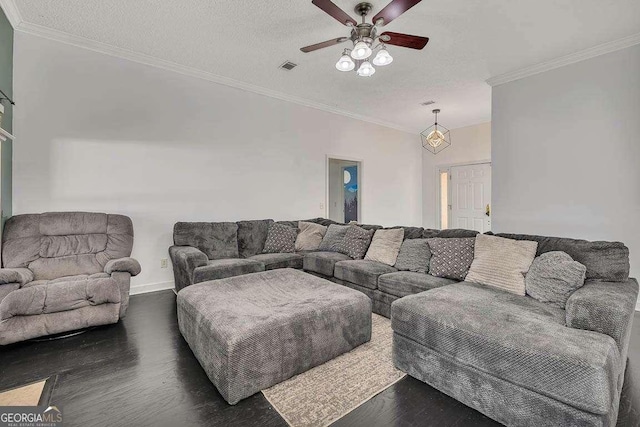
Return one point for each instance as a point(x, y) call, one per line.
point(280, 239)
point(553, 277)
point(501, 263)
point(385, 246)
point(310, 236)
point(333, 238)
point(356, 242)
point(414, 256)
point(451, 258)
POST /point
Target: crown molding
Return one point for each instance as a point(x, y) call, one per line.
point(82, 42)
point(566, 60)
point(11, 12)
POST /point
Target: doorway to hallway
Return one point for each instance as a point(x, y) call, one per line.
point(343, 190)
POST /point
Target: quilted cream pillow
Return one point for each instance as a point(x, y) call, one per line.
point(385, 246)
point(502, 263)
point(310, 236)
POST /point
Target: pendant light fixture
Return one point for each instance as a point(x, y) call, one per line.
point(366, 69)
point(436, 137)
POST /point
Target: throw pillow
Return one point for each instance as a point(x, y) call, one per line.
point(451, 257)
point(356, 242)
point(414, 256)
point(553, 277)
point(385, 246)
point(280, 239)
point(501, 262)
point(310, 236)
point(334, 236)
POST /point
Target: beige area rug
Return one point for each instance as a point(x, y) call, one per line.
point(28, 395)
point(328, 392)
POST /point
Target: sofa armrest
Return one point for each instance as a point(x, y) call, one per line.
point(185, 260)
point(15, 275)
point(605, 307)
point(125, 265)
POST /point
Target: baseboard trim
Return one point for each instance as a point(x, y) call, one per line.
point(151, 287)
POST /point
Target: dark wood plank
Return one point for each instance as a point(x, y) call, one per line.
point(141, 372)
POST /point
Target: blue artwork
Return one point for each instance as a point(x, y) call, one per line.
point(350, 193)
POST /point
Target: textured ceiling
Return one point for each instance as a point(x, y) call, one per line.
point(471, 40)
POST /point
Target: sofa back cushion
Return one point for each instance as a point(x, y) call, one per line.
point(410, 232)
point(333, 237)
point(217, 240)
point(606, 261)
point(251, 236)
point(414, 256)
point(58, 244)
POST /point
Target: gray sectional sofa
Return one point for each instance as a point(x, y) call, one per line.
point(519, 361)
point(64, 271)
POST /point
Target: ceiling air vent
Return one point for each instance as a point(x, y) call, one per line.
point(428, 103)
point(288, 65)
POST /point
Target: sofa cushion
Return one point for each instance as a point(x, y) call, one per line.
point(58, 244)
point(280, 239)
point(323, 262)
point(280, 260)
point(501, 262)
point(385, 246)
point(218, 240)
point(451, 257)
point(410, 232)
point(334, 236)
point(457, 233)
point(251, 236)
point(414, 255)
point(553, 277)
point(361, 272)
point(6, 289)
point(59, 296)
point(356, 242)
point(222, 268)
point(66, 279)
point(606, 261)
point(403, 283)
point(514, 338)
point(310, 236)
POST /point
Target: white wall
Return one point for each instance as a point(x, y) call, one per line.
point(99, 133)
point(566, 152)
point(468, 145)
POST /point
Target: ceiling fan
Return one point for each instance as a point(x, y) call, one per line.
point(364, 35)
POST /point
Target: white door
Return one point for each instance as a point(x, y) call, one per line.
point(471, 197)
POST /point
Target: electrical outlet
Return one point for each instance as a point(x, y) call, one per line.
point(164, 263)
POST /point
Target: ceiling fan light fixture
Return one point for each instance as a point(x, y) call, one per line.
point(366, 69)
point(361, 51)
point(383, 57)
point(345, 63)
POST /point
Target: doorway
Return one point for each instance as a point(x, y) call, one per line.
point(464, 197)
point(343, 190)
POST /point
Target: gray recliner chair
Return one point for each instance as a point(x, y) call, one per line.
point(64, 271)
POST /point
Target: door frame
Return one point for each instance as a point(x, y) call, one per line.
point(360, 162)
point(447, 168)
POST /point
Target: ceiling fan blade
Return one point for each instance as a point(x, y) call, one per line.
point(322, 45)
point(404, 40)
point(393, 10)
point(333, 10)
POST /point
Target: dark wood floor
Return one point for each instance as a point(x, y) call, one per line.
point(141, 372)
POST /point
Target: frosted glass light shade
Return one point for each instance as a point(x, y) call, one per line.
point(345, 63)
point(366, 69)
point(383, 58)
point(361, 51)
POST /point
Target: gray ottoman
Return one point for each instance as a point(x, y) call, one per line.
point(254, 331)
